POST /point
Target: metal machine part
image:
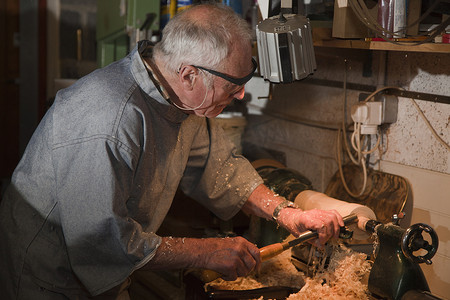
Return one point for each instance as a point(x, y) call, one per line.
point(412, 240)
point(395, 270)
point(419, 295)
point(284, 181)
point(395, 274)
point(308, 258)
point(285, 48)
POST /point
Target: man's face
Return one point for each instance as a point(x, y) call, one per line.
point(238, 65)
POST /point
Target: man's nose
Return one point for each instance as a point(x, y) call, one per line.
point(239, 94)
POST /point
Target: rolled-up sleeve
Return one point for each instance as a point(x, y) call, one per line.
point(215, 175)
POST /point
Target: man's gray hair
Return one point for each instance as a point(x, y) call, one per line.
point(204, 42)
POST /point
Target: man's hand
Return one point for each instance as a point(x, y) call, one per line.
point(327, 223)
point(231, 257)
point(262, 202)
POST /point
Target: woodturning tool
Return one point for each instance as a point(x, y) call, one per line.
point(273, 250)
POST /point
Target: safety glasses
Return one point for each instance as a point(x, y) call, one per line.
point(234, 80)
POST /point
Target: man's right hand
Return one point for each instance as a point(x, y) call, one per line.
point(232, 257)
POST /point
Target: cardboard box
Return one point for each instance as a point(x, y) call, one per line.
point(346, 24)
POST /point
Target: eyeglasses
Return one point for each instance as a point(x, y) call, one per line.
point(234, 80)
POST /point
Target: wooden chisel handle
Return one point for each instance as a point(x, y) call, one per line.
point(273, 250)
point(207, 275)
point(266, 253)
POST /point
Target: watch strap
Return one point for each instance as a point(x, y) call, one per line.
point(280, 207)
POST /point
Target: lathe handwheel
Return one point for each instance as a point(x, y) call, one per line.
point(412, 240)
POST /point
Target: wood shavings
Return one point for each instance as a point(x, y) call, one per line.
point(278, 271)
point(345, 277)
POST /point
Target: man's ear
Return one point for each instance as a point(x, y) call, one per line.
point(188, 76)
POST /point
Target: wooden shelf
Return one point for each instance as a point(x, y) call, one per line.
point(360, 44)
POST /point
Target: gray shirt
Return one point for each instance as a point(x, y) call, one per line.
point(98, 178)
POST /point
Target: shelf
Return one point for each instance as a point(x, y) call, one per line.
point(360, 44)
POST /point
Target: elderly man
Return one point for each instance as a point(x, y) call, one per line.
point(100, 173)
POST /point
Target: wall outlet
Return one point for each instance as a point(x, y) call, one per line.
point(371, 114)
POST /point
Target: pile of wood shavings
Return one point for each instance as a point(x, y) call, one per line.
point(345, 278)
point(278, 271)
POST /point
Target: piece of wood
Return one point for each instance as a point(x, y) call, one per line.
point(386, 194)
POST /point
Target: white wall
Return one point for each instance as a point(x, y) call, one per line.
point(301, 119)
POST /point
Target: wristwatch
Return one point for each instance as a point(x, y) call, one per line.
point(284, 204)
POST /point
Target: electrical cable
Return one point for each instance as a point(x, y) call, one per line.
point(341, 173)
point(360, 160)
point(377, 144)
point(433, 131)
point(356, 136)
point(347, 148)
point(363, 14)
point(356, 142)
point(344, 120)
